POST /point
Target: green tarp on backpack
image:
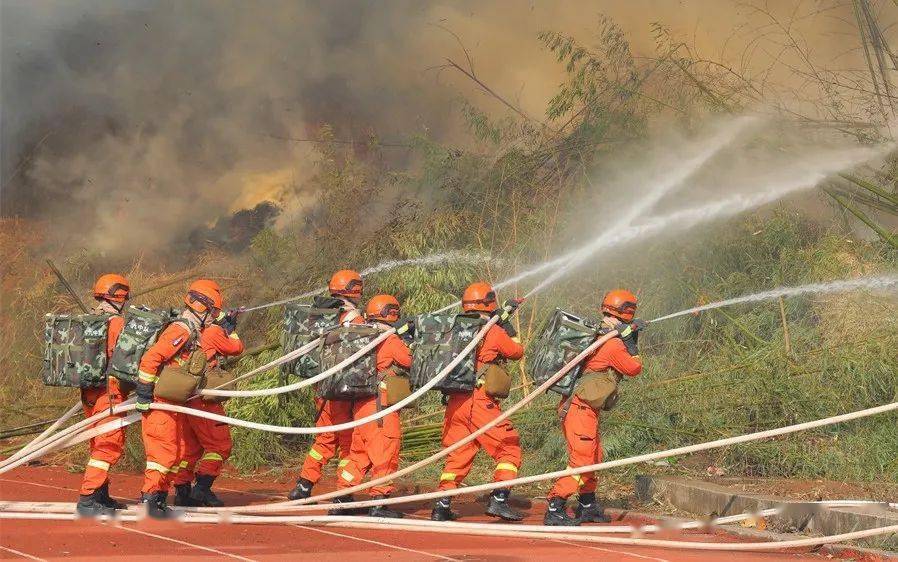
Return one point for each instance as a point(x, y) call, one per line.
point(142, 327)
point(357, 380)
point(75, 350)
point(562, 339)
point(303, 323)
point(438, 339)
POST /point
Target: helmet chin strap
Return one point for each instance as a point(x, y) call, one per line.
point(201, 319)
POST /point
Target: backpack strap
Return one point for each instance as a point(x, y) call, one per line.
point(350, 316)
point(567, 406)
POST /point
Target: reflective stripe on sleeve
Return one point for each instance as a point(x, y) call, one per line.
point(147, 377)
point(506, 466)
point(157, 467)
point(97, 463)
point(234, 336)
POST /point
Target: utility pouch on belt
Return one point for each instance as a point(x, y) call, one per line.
point(397, 387)
point(215, 378)
point(597, 388)
point(496, 380)
point(179, 382)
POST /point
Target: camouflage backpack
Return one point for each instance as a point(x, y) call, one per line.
point(358, 380)
point(75, 350)
point(142, 327)
point(304, 323)
point(438, 339)
point(563, 338)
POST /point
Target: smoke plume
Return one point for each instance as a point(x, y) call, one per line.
point(136, 123)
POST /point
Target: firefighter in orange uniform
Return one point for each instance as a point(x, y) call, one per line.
point(207, 443)
point(111, 291)
point(468, 411)
point(161, 430)
point(581, 422)
point(376, 444)
point(345, 286)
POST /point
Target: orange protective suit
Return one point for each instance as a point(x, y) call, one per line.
point(207, 443)
point(331, 412)
point(581, 424)
point(106, 449)
point(375, 445)
point(161, 431)
point(468, 411)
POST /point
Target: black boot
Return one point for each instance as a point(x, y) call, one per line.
point(183, 497)
point(108, 500)
point(348, 510)
point(557, 515)
point(588, 510)
point(498, 506)
point(202, 492)
point(91, 505)
point(302, 490)
point(156, 506)
point(442, 511)
point(384, 511)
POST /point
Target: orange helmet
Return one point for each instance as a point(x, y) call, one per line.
point(382, 307)
point(621, 304)
point(112, 287)
point(479, 297)
point(203, 295)
point(346, 283)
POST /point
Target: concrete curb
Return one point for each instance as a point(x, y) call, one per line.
point(706, 499)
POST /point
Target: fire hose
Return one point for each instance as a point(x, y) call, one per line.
point(44, 447)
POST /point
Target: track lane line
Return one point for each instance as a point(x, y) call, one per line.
point(22, 554)
point(610, 551)
point(378, 543)
point(185, 543)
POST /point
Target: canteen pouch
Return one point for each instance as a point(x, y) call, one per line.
point(597, 388)
point(398, 388)
point(215, 378)
point(496, 381)
point(178, 382)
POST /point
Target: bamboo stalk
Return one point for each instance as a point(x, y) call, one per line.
point(68, 287)
point(786, 336)
point(886, 236)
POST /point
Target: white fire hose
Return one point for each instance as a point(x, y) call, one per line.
point(128, 406)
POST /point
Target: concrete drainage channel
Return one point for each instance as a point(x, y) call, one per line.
point(705, 499)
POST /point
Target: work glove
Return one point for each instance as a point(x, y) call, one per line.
point(228, 320)
point(629, 334)
point(505, 313)
point(144, 396)
point(405, 328)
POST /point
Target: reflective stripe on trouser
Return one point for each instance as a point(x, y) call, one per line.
point(327, 445)
point(161, 432)
point(106, 449)
point(584, 447)
point(207, 443)
point(465, 413)
point(375, 448)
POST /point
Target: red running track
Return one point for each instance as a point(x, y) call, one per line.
point(154, 540)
